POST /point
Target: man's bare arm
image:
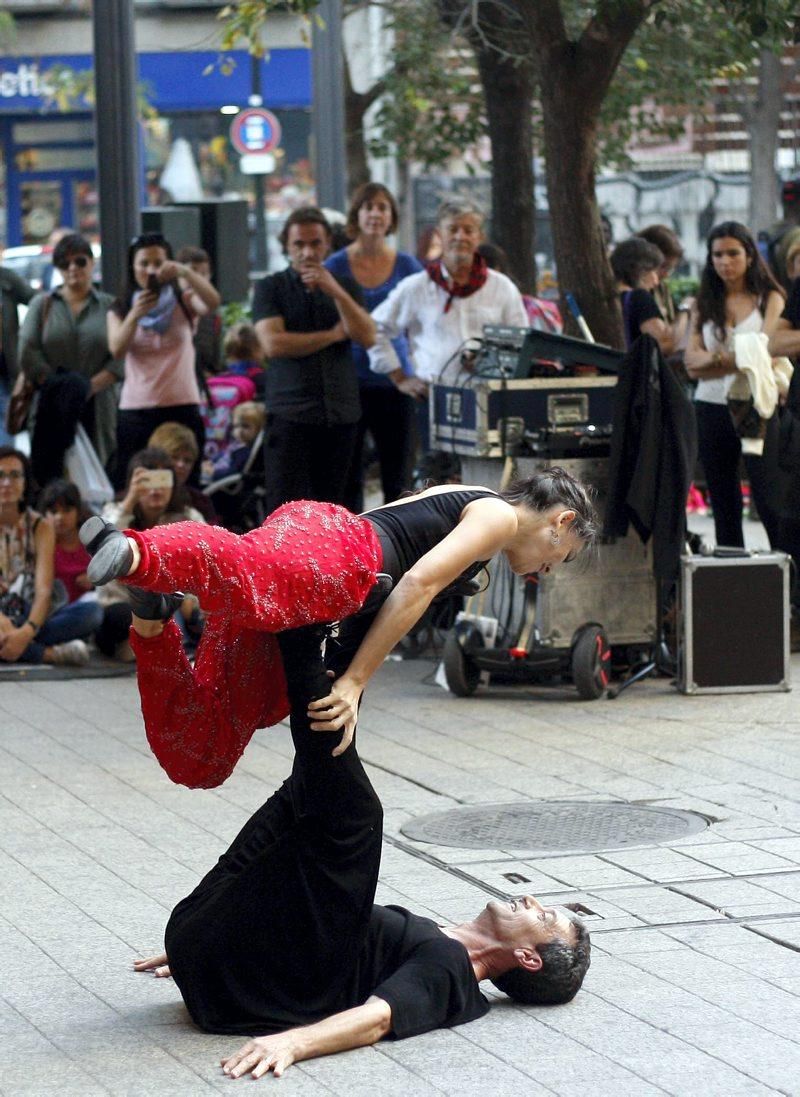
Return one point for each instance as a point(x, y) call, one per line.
point(357, 1027)
point(785, 340)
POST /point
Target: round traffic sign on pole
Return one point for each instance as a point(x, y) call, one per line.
point(255, 130)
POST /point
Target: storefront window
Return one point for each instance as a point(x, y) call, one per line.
point(42, 209)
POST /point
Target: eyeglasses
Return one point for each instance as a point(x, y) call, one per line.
point(12, 474)
point(79, 261)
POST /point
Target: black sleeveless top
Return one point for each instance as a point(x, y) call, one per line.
point(410, 530)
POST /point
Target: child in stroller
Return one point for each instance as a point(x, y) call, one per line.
point(237, 484)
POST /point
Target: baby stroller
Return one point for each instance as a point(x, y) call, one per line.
point(239, 499)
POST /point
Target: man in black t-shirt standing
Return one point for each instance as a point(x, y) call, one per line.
point(305, 319)
point(281, 939)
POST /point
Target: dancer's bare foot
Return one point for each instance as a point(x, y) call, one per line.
point(159, 965)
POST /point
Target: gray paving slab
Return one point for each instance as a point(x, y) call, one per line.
point(695, 981)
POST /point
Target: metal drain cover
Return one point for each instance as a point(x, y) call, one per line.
point(549, 825)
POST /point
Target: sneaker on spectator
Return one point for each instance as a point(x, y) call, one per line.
point(73, 653)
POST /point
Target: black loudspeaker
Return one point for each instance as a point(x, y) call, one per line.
point(734, 625)
point(180, 226)
point(224, 235)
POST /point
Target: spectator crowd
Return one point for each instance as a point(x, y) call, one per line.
point(142, 407)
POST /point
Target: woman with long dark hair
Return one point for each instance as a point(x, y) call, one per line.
point(737, 295)
point(151, 324)
point(270, 593)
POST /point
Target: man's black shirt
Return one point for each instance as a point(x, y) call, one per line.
point(322, 388)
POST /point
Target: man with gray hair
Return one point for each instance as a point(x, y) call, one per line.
point(443, 307)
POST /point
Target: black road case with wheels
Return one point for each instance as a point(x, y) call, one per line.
point(734, 622)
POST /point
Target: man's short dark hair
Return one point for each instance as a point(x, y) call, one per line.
point(306, 215)
point(558, 980)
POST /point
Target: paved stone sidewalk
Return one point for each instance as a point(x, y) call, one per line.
point(695, 981)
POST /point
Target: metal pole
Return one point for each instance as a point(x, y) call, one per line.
point(261, 257)
point(116, 134)
point(330, 168)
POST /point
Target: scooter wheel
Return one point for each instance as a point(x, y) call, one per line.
point(591, 663)
point(461, 673)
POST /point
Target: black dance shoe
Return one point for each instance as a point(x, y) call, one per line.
point(151, 606)
point(108, 546)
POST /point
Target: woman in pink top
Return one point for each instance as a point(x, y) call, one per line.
point(151, 325)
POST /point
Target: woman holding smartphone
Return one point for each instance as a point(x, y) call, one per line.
point(152, 498)
point(151, 325)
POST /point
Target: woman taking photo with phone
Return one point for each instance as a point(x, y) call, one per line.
point(152, 497)
point(152, 325)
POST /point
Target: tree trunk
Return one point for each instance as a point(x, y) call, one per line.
point(574, 77)
point(356, 105)
point(570, 131)
point(763, 122)
point(508, 93)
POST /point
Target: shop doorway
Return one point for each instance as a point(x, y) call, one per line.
point(45, 200)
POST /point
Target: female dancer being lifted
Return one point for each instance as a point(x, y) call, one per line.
point(270, 594)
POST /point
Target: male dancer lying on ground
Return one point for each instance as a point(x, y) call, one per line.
point(281, 939)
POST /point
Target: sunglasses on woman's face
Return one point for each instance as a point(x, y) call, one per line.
point(79, 261)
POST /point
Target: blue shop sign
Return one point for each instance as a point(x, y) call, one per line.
point(174, 81)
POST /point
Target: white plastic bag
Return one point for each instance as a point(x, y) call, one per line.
point(86, 473)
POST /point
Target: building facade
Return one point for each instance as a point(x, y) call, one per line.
point(189, 95)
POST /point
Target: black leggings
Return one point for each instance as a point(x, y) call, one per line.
point(720, 451)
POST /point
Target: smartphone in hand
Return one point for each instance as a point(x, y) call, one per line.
point(153, 284)
point(159, 478)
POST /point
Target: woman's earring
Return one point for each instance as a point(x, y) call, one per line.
point(554, 537)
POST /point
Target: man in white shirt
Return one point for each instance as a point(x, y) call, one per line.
point(444, 307)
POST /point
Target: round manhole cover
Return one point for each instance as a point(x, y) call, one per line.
point(548, 825)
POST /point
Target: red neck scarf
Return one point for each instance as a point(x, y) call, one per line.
point(478, 274)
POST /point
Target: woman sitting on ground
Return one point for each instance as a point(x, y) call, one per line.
point(181, 445)
point(63, 507)
point(28, 632)
point(310, 564)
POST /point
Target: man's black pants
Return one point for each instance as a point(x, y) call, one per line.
point(274, 928)
point(306, 461)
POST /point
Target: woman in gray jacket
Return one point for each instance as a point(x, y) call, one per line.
point(63, 349)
